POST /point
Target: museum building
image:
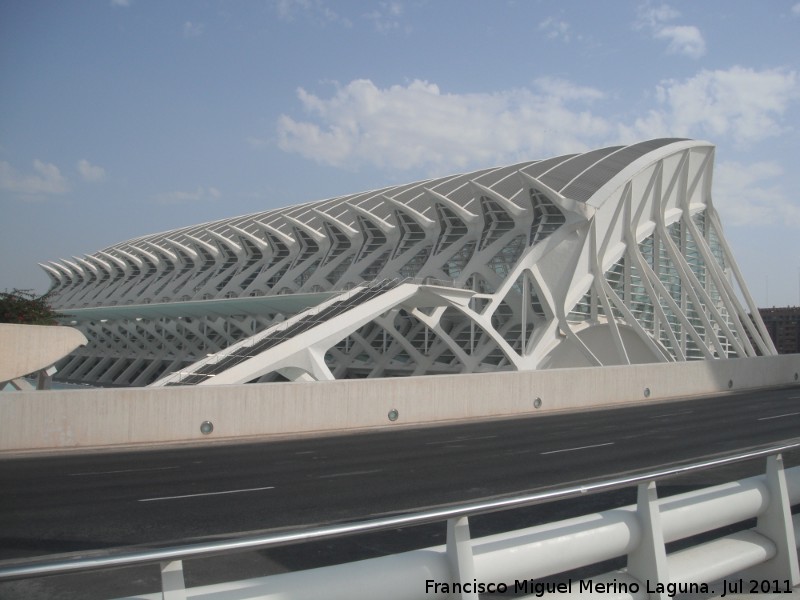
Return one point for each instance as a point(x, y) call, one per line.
point(609, 257)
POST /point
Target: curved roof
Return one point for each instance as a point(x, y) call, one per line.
point(575, 176)
point(376, 223)
point(589, 172)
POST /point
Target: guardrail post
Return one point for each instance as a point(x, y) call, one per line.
point(776, 524)
point(648, 561)
point(172, 584)
point(459, 554)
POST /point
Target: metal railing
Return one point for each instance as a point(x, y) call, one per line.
point(766, 497)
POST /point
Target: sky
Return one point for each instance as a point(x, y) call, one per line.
point(122, 118)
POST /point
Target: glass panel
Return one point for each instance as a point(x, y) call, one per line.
point(547, 217)
point(497, 222)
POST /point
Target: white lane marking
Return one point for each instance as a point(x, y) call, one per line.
point(258, 489)
point(349, 474)
point(633, 436)
point(122, 471)
point(516, 452)
point(461, 439)
point(682, 412)
point(305, 452)
point(779, 416)
point(793, 398)
point(579, 448)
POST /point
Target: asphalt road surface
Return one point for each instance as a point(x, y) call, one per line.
point(77, 502)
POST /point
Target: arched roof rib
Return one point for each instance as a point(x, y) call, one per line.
point(559, 176)
point(583, 185)
point(575, 176)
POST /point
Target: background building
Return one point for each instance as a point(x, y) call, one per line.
point(613, 256)
point(783, 325)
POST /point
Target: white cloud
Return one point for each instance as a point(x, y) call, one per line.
point(386, 16)
point(686, 40)
point(796, 9)
point(46, 180)
point(90, 172)
point(683, 39)
point(750, 195)
point(193, 29)
point(416, 125)
point(653, 16)
point(554, 28)
point(287, 9)
point(315, 10)
point(201, 194)
point(745, 104)
point(123, 3)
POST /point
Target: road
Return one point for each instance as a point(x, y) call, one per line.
point(77, 502)
point(80, 502)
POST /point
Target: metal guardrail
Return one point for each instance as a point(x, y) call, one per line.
point(123, 557)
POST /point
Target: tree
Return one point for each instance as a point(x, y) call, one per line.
point(23, 307)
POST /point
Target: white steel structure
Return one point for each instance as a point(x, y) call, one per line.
point(611, 257)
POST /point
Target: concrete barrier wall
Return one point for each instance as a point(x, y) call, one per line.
point(114, 417)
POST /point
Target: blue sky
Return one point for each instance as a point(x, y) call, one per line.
point(120, 118)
